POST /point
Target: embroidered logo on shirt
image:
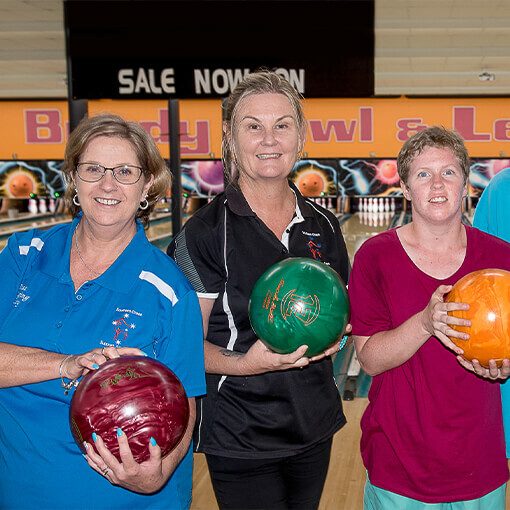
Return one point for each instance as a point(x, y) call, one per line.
point(21, 296)
point(124, 323)
point(315, 249)
point(121, 327)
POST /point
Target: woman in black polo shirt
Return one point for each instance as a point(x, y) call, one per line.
point(265, 426)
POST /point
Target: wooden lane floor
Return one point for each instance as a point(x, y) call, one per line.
point(346, 475)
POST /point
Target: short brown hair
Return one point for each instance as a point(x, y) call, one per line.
point(260, 82)
point(435, 136)
point(148, 155)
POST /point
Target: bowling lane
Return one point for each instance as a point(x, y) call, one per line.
point(159, 232)
point(28, 221)
point(362, 225)
point(356, 229)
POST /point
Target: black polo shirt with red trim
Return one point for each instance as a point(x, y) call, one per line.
point(223, 249)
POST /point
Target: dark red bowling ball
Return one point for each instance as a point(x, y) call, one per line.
point(140, 395)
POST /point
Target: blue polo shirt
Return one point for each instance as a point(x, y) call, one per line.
point(143, 300)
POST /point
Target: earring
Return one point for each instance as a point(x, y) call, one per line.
point(144, 206)
point(76, 201)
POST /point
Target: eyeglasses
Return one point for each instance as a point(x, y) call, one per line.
point(93, 172)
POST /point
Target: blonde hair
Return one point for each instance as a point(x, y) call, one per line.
point(261, 82)
point(148, 155)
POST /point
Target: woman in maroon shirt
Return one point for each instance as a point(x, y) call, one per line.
point(432, 432)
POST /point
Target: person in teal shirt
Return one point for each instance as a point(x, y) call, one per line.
point(492, 215)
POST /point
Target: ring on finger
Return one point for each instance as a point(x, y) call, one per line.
point(105, 471)
point(102, 351)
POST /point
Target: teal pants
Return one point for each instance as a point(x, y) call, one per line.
point(380, 499)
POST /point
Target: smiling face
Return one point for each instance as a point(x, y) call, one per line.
point(108, 202)
point(435, 185)
point(266, 137)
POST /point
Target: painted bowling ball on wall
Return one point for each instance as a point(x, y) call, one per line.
point(311, 184)
point(299, 301)
point(140, 395)
point(488, 294)
point(19, 183)
point(209, 176)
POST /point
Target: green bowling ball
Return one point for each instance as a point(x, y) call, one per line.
point(299, 301)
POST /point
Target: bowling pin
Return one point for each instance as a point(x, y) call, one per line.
point(381, 204)
point(392, 204)
point(42, 206)
point(51, 205)
point(386, 204)
point(32, 206)
point(330, 203)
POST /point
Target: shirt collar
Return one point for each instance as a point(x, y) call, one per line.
point(119, 277)
point(238, 204)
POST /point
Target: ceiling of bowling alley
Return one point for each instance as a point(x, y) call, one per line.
point(423, 47)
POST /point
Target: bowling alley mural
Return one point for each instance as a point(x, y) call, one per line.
point(22, 179)
point(204, 178)
point(345, 177)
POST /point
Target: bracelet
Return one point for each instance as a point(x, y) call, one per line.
point(66, 385)
point(342, 343)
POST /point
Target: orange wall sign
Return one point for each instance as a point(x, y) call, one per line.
point(337, 128)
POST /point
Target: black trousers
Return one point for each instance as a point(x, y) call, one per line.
point(289, 483)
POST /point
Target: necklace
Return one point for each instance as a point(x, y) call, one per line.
point(81, 258)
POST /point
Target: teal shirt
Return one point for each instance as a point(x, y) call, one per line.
point(492, 215)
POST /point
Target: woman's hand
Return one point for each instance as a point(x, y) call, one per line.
point(146, 477)
point(260, 359)
point(334, 348)
point(493, 372)
point(436, 321)
point(80, 364)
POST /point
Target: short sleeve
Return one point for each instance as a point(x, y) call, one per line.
point(11, 267)
point(369, 307)
point(198, 253)
point(183, 347)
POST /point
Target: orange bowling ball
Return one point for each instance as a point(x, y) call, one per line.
point(488, 294)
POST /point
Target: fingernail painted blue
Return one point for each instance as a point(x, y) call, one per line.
point(95, 365)
point(153, 441)
point(119, 432)
point(94, 437)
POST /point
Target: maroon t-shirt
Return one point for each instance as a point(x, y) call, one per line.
point(432, 430)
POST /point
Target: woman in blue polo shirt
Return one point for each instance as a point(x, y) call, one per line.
point(267, 422)
point(64, 293)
